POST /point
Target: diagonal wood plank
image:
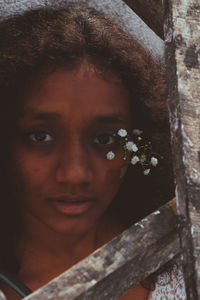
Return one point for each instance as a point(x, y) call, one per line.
point(183, 71)
point(117, 266)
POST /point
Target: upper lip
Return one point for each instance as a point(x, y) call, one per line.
point(71, 198)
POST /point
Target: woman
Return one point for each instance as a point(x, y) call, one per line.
point(70, 81)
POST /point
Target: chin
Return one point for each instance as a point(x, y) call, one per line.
point(73, 226)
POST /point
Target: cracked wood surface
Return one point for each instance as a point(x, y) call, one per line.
point(113, 269)
point(183, 71)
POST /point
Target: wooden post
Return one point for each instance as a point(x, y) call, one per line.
point(182, 35)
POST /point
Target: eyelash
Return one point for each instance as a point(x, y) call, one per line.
point(31, 134)
point(107, 138)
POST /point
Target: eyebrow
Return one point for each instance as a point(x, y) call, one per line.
point(40, 115)
point(35, 114)
point(110, 119)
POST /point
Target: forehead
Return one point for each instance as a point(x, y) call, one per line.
point(79, 93)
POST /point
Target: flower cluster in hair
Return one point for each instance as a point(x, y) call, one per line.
point(136, 150)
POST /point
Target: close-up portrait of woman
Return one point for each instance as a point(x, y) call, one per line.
point(85, 146)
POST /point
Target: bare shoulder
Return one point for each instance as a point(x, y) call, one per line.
point(137, 292)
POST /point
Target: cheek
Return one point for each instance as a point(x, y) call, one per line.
point(113, 175)
point(31, 169)
point(110, 183)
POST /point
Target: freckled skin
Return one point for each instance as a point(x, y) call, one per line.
point(72, 164)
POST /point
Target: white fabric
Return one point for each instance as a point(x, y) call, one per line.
point(117, 9)
point(169, 287)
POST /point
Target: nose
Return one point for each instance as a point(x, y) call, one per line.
point(74, 166)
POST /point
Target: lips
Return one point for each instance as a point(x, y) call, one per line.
point(71, 205)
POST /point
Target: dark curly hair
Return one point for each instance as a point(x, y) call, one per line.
point(41, 41)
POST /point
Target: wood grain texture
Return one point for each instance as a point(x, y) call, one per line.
point(117, 266)
point(183, 71)
point(151, 12)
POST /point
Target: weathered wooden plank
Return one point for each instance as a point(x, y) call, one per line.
point(151, 12)
point(183, 69)
point(117, 9)
point(117, 266)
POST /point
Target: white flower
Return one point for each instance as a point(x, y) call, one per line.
point(139, 138)
point(131, 146)
point(110, 155)
point(137, 131)
point(146, 172)
point(122, 132)
point(134, 160)
point(154, 161)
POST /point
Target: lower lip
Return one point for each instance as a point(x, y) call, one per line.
point(72, 208)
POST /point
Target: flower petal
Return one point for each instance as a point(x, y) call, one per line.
point(110, 155)
point(122, 132)
point(146, 172)
point(134, 160)
point(154, 161)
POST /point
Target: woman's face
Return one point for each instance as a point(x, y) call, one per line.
point(63, 134)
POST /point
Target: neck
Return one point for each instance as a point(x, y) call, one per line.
point(44, 253)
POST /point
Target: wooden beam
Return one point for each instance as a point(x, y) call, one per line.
point(183, 71)
point(151, 12)
point(117, 266)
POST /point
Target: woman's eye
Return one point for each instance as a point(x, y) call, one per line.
point(104, 139)
point(40, 137)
